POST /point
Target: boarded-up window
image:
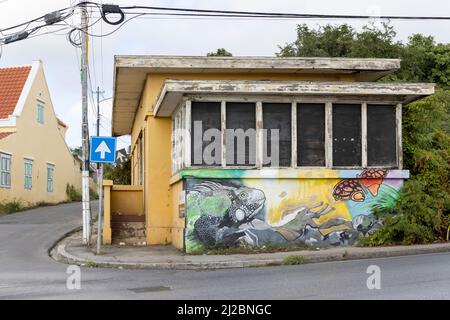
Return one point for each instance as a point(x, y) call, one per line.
point(277, 136)
point(240, 134)
point(346, 135)
point(311, 134)
point(381, 136)
point(205, 134)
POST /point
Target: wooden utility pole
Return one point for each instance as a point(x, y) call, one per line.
point(85, 126)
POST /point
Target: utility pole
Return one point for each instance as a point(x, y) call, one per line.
point(99, 180)
point(85, 126)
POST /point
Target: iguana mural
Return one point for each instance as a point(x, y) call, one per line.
point(228, 213)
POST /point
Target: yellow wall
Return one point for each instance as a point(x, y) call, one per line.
point(42, 143)
point(178, 223)
point(163, 224)
point(127, 200)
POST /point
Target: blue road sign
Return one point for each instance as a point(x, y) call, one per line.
point(103, 149)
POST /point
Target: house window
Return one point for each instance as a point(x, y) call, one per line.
point(40, 112)
point(5, 170)
point(311, 134)
point(50, 177)
point(178, 140)
point(381, 136)
point(346, 135)
point(206, 134)
point(277, 134)
point(240, 139)
point(28, 174)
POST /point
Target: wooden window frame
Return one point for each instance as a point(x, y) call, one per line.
point(26, 176)
point(260, 100)
point(52, 178)
point(40, 116)
point(7, 171)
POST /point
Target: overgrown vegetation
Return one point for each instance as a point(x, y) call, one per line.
point(10, 206)
point(120, 174)
point(293, 260)
point(72, 193)
point(421, 213)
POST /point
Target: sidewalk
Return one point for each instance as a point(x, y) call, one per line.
point(70, 250)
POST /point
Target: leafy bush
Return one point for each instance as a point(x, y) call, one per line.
point(72, 193)
point(421, 214)
point(11, 206)
point(119, 174)
point(422, 211)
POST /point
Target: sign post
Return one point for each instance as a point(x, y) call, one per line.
point(103, 150)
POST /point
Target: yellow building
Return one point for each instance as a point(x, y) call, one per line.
point(256, 151)
point(36, 163)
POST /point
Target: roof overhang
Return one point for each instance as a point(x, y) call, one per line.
point(174, 91)
point(130, 74)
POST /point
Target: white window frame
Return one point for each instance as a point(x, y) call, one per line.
point(5, 170)
point(50, 177)
point(40, 111)
point(28, 174)
point(185, 110)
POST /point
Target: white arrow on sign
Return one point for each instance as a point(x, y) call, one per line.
point(102, 148)
point(120, 157)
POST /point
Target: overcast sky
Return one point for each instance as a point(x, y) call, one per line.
point(183, 37)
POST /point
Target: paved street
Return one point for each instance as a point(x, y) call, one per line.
point(27, 272)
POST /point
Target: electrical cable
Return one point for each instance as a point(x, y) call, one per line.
point(282, 14)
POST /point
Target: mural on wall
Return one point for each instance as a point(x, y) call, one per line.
point(282, 212)
point(354, 189)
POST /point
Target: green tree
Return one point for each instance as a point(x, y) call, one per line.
point(221, 52)
point(119, 174)
point(422, 212)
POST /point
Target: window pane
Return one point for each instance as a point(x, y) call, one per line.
point(277, 116)
point(347, 135)
point(205, 117)
point(381, 136)
point(311, 134)
point(241, 134)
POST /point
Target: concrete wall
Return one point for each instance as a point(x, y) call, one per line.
point(119, 199)
point(286, 207)
point(42, 143)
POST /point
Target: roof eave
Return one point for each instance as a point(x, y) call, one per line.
point(173, 91)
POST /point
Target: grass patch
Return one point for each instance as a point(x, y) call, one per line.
point(90, 264)
point(249, 250)
point(293, 260)
point(9, 207)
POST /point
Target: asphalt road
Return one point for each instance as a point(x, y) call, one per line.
point(27, 272)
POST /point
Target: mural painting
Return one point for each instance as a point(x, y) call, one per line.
point(285, 212)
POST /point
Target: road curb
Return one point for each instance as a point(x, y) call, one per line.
point(61, 238)
point(350, 253)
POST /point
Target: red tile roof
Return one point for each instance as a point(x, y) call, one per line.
point(12, 81)
point(5, 134)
